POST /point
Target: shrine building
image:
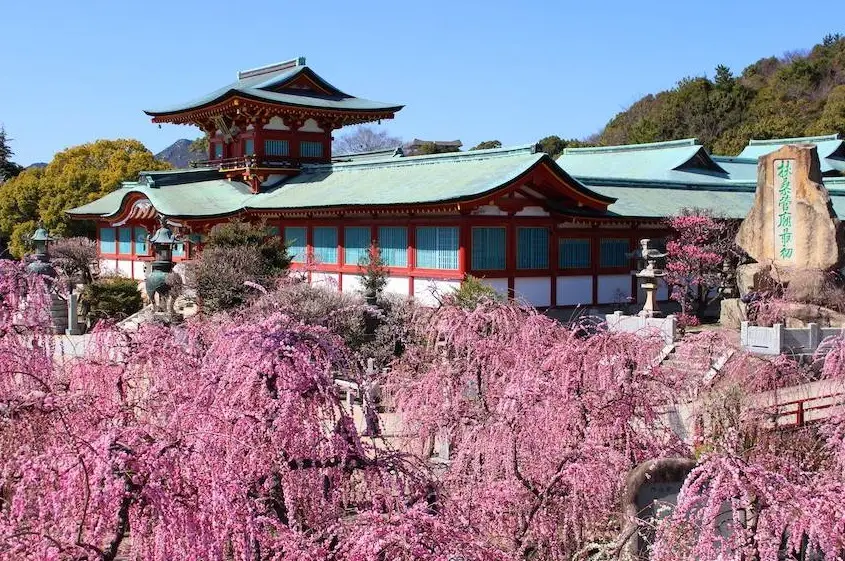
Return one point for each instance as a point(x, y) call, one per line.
point(554, 233)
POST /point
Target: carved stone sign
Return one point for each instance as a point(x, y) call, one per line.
point(792, 224)
point(784, 210)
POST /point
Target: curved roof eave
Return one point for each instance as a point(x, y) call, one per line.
point(566, 177)
point(274, 97)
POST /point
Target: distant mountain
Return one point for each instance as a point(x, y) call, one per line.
point(179, 154)
point(39, 165)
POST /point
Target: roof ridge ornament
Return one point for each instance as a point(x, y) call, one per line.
point(684, 142)
point(794, 140)
point(272, 68)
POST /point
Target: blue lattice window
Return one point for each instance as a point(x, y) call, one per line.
point(179, 249)
point(488, 249)
point(249, 147)
point(437, 247)
point(356, 242)
point(573, 254)
point(140, 240)
point(310, 149)
point(124, 241)
point(276, 148)
point(107, 241)
point(532, 248)
point(325, 244)
point(218, 150)
point(613, 253)
point(393, 242)
point(295, 240)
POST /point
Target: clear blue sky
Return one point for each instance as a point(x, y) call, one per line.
point(516, 71)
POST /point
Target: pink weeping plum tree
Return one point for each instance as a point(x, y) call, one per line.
point(761, 493)
point(209, 441)
point(227, 440)
point(545, 424)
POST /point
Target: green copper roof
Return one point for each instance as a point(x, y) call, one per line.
point(413, 180)
point(679, 161)
point(656, 202)
point(831, 150)
point(262, 84)
point(386, 181)
point(216, 197)
point(659, 179)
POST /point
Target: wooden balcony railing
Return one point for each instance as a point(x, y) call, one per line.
point(243, 162)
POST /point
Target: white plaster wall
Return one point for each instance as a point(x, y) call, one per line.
point(610, 287)
point(108, 266)
point(397, 285)
point(325, 279)
point(138, 270)
point(425, 290)
point(351, 283)
point(276, 124)
point(574, 291)
point(124, 268)
point(537, 291)
point(499, 285)
point(310, 126)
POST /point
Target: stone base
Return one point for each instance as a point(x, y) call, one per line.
point(799, 315)
point(804, 284)
point(732, 313)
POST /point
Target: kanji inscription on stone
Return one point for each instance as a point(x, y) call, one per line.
point(784, 210)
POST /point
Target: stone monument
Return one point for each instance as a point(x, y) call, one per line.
point(791, 230)
point(792, 226)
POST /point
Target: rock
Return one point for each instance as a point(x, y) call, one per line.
point(754, 277)
point(808, 285)
point(799, 315)
point(733, 312)
point(792, 223)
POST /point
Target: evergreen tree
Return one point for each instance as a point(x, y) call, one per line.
point(8, 168)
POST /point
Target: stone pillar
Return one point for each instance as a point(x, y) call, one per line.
point(650, 308)
point(72, 315)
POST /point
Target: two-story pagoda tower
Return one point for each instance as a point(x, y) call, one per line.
point(272, 120)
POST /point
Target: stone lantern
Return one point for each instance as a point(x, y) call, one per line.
point(41, 263)
point(162, 243)
point(650, 278)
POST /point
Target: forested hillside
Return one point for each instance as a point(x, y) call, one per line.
point(797, 94)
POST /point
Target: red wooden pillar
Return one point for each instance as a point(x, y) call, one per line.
point(341, 255)
point(309, 249)
point(595, 261)
point(464, 241)
point(554, 243)
point(633, 244)
point(510, 256)
point(412, 257)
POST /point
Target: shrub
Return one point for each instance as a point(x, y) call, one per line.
point(339, 312)
point(236, 253)
point(111, 298)
point(472, 292)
